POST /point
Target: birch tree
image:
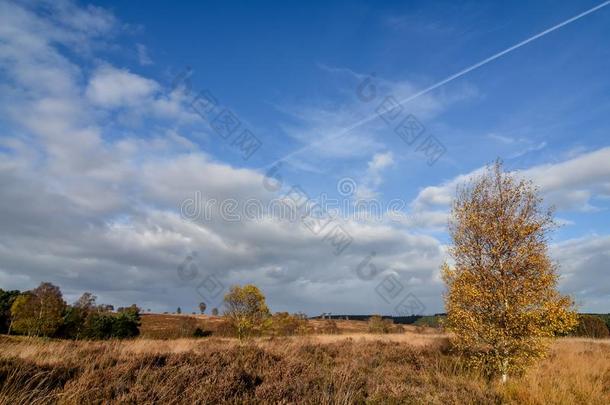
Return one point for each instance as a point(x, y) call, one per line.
point(502, 301)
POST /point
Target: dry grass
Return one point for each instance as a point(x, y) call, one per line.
point(168, 326)
point(348, 368)
point(410, 338)
point(577, 371)
point(158, 326)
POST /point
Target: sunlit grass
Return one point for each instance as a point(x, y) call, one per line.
point(350, 367)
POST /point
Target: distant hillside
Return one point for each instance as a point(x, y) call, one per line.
point(404, 320)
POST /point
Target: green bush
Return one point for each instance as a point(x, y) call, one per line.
point(99, 326)
point(73, 325)
point(111, 326)
point(126, 325)
point(6, 300)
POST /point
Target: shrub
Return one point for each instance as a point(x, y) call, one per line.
point(246, 310)
point(6, 301)
point(377, 324)
point(105, 325)
point(330, 327)
point(201, 333)
point(86, 320)
point(99, 326)
point(73, 325)
point(126, 325)
point(284, 324)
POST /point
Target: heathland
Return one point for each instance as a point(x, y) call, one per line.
point(349, 365)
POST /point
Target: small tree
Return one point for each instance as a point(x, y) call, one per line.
point(501, 295)
point(377, 324)
point(215, 311)
point(23, 314)
point(87, 301)
point(202, 307)
point(76, 316)
point(38, 312)
point(246, 310)
point(178, 311)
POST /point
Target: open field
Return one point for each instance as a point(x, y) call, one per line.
point(351, 367)
point(168, 326)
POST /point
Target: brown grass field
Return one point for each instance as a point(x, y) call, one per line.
point(351, 367)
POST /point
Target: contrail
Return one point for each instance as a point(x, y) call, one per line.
point(445, 81)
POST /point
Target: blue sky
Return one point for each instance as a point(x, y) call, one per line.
point(99, 151)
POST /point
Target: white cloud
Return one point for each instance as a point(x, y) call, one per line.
point(437, 197)
point(569, 185)
point(94, 212)
point(584, 269)
point(372, 179)
point(110, 87)
point(91, 212)
point(381, 161)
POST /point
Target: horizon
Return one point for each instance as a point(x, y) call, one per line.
point(148, 154)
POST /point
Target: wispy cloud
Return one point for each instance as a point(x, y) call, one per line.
point(143, 56)
point(333, 128)
point(372, 179)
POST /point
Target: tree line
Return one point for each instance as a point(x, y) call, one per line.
point(44, 312)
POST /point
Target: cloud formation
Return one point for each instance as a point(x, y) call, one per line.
point(90, 210)
point(95, 163)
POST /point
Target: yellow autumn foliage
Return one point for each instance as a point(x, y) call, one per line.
point(502, 301)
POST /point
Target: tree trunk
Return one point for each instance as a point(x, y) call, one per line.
point(504, 371)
